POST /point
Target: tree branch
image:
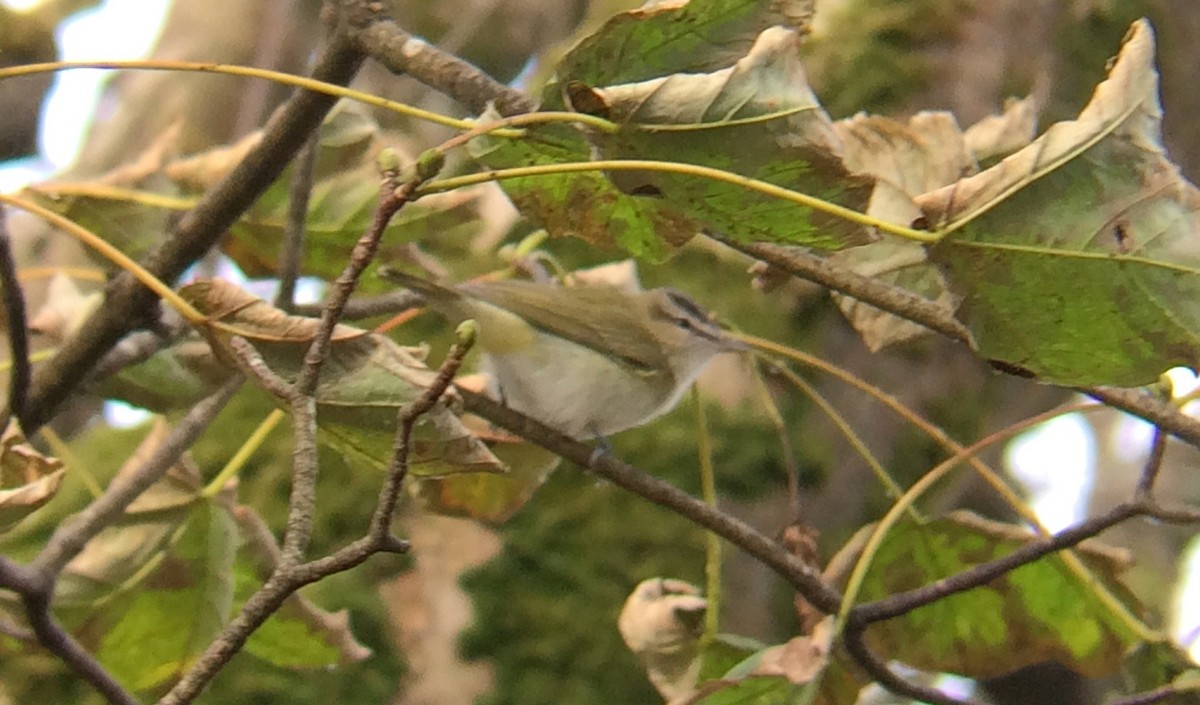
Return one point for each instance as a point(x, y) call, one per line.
point(877, 668)
point(299, 191)
point(128, 303)
point(18, 333)
point(800, 575)
point(380, 37)
point(937, 318)
point(287, 579)
point(35, 582)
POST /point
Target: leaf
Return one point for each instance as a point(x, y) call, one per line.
point(662, 621)
point(758, 119)
point(908, 158)
point(117, 558)
point(170, 380)
point(365, 380)
point(670, 37)
point(134, 205)
point(1038, 612)
point(585, 205)
point(28, 479)
point(298, 634)
point(489, 497)
point(775, 674)
point(154, 634)
point(998, 135)
point(150, 591)
point(1077, 257)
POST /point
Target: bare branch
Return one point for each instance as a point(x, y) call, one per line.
point(1162, 414)
point(892, 299)
point(878, 669)
point(369, 306)
point(1158, 449)
point(18, 333)
point(976, 576)
point(128, 303)
point(904, 304)
point(286, 579)
point(299, 191)
point(800, 575)
point(71, 536)
point(380, 37)
point(35, 583)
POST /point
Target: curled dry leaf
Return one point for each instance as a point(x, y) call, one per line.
point(800, 658)
point(998, 135)
point(907, 158)
point(365, 380)
point(28, 479)
point(661, 622)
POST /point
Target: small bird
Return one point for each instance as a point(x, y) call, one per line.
point(587, 360)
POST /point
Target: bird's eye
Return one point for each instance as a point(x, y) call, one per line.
point(684, 323)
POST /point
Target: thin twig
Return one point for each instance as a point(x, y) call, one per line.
point(257, 368)
point(801, 576)
point(878, 669)
point(59, 642)
point(843, 280)
point(286, 579)
point(301, 398)
point(393, 195)
point(380, 37)
point(18, 334)
point(369, 306)
point(1158, 449)
point(35, 582)
point(135, 348)
point(128, 303)
point(299, 191)
point(1159, 413)
point(983, 573)
point(71, 536)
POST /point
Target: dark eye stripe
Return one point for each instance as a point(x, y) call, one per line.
point(685, 302)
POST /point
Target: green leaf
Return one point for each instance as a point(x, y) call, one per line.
point(489, 497)
point(1077, 257)
point(701, 35)
point(170, 380)
point(364, 382)
point(1038, 612)
point(757, 119)
point(178, 608)
point(585, 205)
